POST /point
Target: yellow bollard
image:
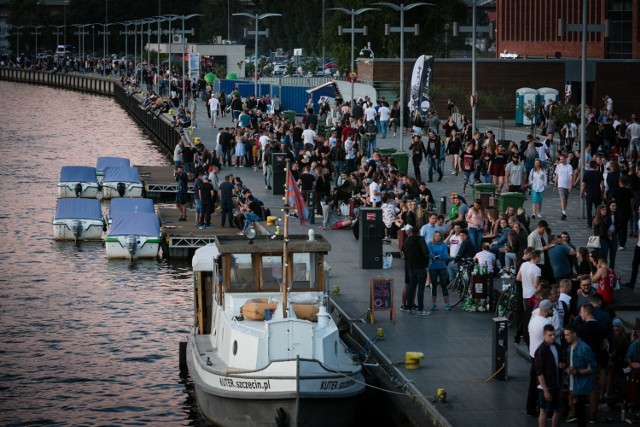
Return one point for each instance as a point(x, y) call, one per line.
point(170, 112)
point(412, 359)
point(196, 140)
point(380, 334)
point(441, 394)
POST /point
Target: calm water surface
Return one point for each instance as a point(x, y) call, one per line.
point(83, 340)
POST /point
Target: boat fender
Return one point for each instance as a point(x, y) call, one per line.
point(78, 189)
point(121, 188)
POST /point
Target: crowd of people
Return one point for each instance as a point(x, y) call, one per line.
point(333, 152)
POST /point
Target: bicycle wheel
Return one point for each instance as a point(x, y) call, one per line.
point(457, 290)
point(501, 306)
point(512, 312)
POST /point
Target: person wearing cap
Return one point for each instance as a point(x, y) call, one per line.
point(515, 174)
point(433, 154)
point(536, 338)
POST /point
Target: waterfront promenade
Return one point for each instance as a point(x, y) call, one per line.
point(457, 345)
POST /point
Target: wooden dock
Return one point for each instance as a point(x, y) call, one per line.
point(160, 181)
point(184, 237)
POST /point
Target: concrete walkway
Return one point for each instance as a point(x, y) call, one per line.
point(457, 345)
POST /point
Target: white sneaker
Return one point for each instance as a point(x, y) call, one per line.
point(621, 248)
point(453, 173)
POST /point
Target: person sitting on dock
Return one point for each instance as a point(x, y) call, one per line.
point(252, 212)
point(328, 220)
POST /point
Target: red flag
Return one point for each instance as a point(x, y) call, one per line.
point(294, 198)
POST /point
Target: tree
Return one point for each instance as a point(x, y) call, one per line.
point(499, 101)
point(530, 110)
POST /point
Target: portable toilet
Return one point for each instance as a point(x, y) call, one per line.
point(545, 94)
point(525, 96)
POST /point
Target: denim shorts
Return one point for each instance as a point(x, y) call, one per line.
point(198, 205)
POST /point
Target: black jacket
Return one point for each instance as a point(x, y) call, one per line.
point(416, 252)
point(546, 365)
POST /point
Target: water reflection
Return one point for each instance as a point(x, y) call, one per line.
point(82, 340)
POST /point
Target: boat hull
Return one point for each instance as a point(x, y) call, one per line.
point(110, 190)
point(315, 397)
point(146, 247)
point(66, 229)
point(68, 190)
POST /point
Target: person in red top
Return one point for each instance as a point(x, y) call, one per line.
point(467, 166)
point(606, 279)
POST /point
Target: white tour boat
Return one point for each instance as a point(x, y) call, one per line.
point(263, 350)
point(78, 181)
point(133, 235)
point(78, 219)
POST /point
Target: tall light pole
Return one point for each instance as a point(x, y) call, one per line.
point(353, 30)
point(184, 80)
point(93, 40)
point(81, 32)
point(18, 28)
point(322, 35)
point(401, 29)
point(104, 33)
point(57, 33)
point(170, 18)
point(64, 40)
point(37, 33)
point(106, 25)
point(584, 28)
point(256, 33)
point(474, 30)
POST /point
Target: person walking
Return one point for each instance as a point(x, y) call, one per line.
point(592, 189)
point(537, 183)
point(433, 154)
point(454, 147)
point(563, 182)
point(438, 258)
point(605, 225)
point(416, 255)
point(515, 174)
point(417, 151)
point(206, 194)
point(182, 179)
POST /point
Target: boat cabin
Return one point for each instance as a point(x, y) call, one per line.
point(235, 270)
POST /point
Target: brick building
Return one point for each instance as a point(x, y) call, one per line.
point(530, 28)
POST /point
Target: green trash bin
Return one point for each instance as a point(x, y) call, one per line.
point(510, 199)
point(387, 151)
point(290, 115)
point(484, 192)
point(402, 161)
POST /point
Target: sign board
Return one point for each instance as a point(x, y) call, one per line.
point(297, 52)
point(194, 66)
point(352, 76)
point(382, 297)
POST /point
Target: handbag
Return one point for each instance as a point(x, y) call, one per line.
point(593, 242)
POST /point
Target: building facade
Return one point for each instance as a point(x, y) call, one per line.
point(529, 28)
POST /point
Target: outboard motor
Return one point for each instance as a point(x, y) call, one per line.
point(76, 228)
point(132, 245)
point(78, 189)
point(121, 188)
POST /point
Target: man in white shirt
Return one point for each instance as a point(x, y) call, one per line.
point(385, 113)
point(633, 133)
point(529, 274)
point(454, 241)
point(214, 108)
point(308, 138)
point(536, 337)
point(264, 142)
point(375, 196)
point(563, 182)
point(370, 113)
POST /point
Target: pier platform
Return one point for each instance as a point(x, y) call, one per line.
point(160, 181)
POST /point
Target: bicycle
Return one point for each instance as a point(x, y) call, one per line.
point(459, 287)
point(507, 305)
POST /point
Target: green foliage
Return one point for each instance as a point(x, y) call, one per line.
point(565, 113)
point(220, 70)
point(291, 68)
point(499, 101)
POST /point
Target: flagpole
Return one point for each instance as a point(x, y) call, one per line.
point(285, 249)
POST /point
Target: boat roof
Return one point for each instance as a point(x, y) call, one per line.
point(203, 258)
point(131, 204)
point(78, 209)
point(266, 245)
point(134, 223)
point(78, 174)
point(104, 162)
point(121, 174)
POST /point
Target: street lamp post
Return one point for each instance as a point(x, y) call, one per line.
point(81, 32)
point(184, 80)
point(474, 30)
point(37, 33)
point(57, 33)
point(104, 33)
point(64, 39)
point(353, 30)
point(18, 28)
point(93, 39)
point(584, 28)
point(256, 33)
point(401, 29)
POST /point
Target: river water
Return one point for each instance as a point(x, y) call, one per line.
point(83, 341)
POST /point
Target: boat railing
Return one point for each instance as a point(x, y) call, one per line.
point(240, 325)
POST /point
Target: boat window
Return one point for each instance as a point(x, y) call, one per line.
point(304, 273)
point(271, 272)
point(243, 278)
